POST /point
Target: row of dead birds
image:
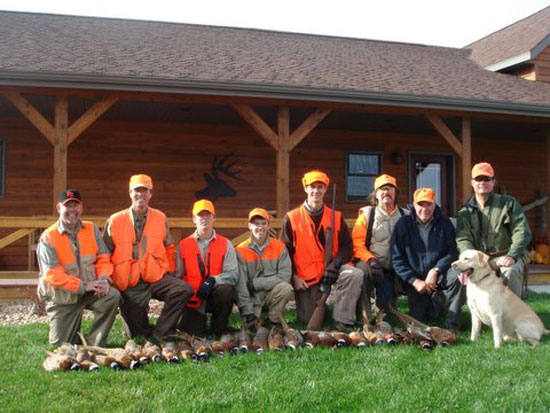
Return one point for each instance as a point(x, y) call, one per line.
point(183, 346)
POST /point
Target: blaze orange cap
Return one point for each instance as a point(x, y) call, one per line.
point(203, 205)
point(141, 180)
point(384, 179)
point(315, 176)
point(424, 195)
point(258, 212)
point(482, 169)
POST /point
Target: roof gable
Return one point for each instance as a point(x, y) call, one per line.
point(516, 43)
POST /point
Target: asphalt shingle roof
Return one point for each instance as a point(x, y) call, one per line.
point(46, 45)
point(512, 40)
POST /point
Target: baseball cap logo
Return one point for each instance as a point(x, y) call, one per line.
point(69, 194)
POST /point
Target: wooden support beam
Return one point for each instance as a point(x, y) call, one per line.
point(91, 115)
point(33, 115)
point(60, 147)
point(466, 158)
point(14, 236)
point(258, 124)
point(445, 132)
point(307, 126)
point(283, 161)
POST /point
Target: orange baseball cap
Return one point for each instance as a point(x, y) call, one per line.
point(424, 195)
point(315, 176)
point(384, 179)
point(483, 169)
point(258, 212)
point(203, 205)
point(141, 180)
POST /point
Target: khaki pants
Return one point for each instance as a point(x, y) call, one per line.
point(347, 291)
point(66, 319)
point(275, 301)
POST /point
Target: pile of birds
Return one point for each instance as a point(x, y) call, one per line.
point(183, 346)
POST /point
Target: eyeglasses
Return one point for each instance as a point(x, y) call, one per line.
point(483, 178)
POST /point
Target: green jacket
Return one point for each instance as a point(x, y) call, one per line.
point(500, 229)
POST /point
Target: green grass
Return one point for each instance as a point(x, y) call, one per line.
point(464, 377)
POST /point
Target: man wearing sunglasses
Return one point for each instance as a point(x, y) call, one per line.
point(496, 225)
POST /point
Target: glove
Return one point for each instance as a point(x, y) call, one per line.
point(377, 272)
point(206, 288)
point(250, 322)
point(330, 277)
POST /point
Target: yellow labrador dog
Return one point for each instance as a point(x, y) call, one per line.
point(495, 305)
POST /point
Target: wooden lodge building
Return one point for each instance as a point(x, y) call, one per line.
point(239, 115)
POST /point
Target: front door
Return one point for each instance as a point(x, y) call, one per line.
point(434, 170)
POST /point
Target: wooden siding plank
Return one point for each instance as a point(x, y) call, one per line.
point(258, 124)
point(445, 132)
point(307, 126)
point(91, 115)
point(33, 115)
point(14, 236)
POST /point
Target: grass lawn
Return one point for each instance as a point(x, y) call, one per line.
point(464, 377)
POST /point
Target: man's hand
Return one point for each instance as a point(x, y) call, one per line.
point(420, 286)
point(431, 280)
point(505, 261)
point(206, 288)
point(102, 288)
point(377, 272)
point(298, 283)
point(330, 277)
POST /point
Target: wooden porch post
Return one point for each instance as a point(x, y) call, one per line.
point(466, 159)
point(283, 142)
point(283, 161)
point(462, 148)
point(60, 135)
point(60, 143)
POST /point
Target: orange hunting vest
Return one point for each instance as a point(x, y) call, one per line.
point(309, 254)
point(196, 269)
point(272, 252)
point(88, 254)
point(153, 262)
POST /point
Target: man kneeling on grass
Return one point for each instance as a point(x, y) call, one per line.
point(75, 274)
point(264, 273)
point(422, 249)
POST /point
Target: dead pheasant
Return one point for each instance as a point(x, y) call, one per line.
point(293, 339)
point(384, 330)
point(230, 343)
point(59, 362)
point(275, 339)
point(245, 341)
point(260, 340)
point(439, 335)
point(202, 348)
point(326, 339)
point(342, 339)
point(311, 339)
point(416, 329)
point(358, 339)
point(152, 351)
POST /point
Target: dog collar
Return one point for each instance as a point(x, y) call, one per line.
point(485, 276)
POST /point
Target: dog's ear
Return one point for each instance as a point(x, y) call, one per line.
point(483, 259)
point(494, 266)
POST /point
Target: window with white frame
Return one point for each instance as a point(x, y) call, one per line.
point(362, 169)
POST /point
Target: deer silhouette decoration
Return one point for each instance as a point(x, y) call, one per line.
point(216, 186)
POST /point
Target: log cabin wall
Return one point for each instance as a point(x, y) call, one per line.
point(177, 155)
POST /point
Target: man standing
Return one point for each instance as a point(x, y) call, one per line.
point(496, 225)
point(264, 273)
point(208, 262)
point(423, 247)
point(303, 232)
point(75, 274)
point(371, 239)
point(143, 254)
